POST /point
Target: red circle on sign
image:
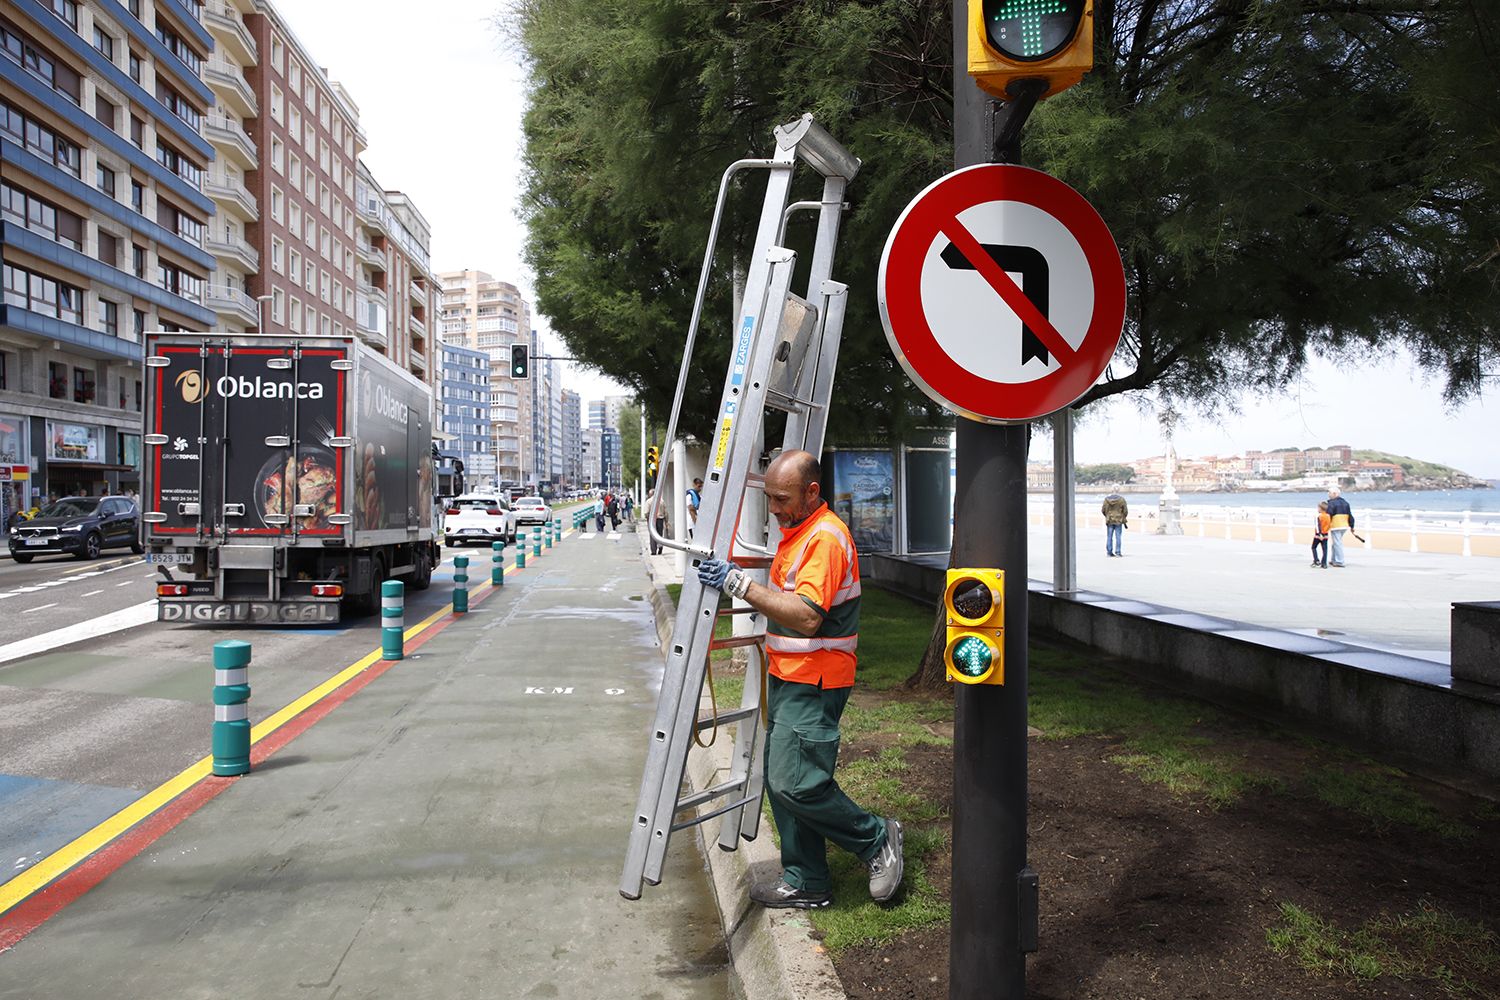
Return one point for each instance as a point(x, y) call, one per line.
point(935, 212)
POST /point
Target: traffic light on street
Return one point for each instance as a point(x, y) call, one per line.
point(653, 459)
point(1050, 40)
point(974, 604)
point(520, 364)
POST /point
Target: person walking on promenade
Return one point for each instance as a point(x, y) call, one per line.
point(1320, 535)
point(694, 499)
point(1342, 520)
point(599, 512)
point(812, 611)
point(1116, 514)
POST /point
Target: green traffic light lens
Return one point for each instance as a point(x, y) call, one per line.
point(972, 656)
point(1031, 30)
point(972, 599)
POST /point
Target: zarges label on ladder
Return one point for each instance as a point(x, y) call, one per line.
point(1002, 293)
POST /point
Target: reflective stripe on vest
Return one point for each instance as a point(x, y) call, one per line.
point(808, 644)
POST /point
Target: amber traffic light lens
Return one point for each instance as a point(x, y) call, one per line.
point(972, 599)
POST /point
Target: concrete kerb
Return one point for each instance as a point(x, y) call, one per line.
point(773, 952)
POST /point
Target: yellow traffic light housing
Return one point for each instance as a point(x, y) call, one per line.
point(974, 604)
point(1051, 40)
point(653, 461)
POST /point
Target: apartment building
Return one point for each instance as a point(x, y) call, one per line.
point(337, 254)
point(103, 225)
point(481, 313)
point(464, 409)
point(237, 157)
point(571, 436)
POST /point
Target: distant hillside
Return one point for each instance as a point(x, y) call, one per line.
point(1412, 466)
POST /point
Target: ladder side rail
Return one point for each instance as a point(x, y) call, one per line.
point(830, 218)
point(749, 739)
point(725, 479)
point(782, 165)
point(810, 432)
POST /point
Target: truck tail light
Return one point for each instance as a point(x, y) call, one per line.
point(171, 590)
point(328, 590)
point(451, 510)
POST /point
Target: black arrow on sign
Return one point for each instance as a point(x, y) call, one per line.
point(1033, 270)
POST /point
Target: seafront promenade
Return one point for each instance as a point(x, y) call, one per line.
point(1388, 597)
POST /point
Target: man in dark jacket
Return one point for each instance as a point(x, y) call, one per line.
point(1116, 512)
point(1341, 519)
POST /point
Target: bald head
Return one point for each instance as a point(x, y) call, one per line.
point(793, 482)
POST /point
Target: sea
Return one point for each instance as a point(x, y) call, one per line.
point(1446, 501)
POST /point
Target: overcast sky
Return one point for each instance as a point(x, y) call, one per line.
point(440, 98)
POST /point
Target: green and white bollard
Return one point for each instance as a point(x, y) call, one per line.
point(547, 535)
point(231, 733)
point(392, 619)
point(460, 585)
point(520, 550)
point(536, 543)
point(497, 567)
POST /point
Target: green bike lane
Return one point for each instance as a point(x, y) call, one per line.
point(454, 828)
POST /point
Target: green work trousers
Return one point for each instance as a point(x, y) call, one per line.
point(802, 747)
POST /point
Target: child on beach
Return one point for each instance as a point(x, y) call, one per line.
point(1320, 536)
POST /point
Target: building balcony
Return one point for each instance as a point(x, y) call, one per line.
point(417, 293)
point(231, 303)
point(235, 250)
point(231, 139)
point(417, 363)
point(369, 253)
point(233, 196)
point(228, 84)
point(372, 294)
point(227, 26)
point(417, 325)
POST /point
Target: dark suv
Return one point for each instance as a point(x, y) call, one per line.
point(84, 526)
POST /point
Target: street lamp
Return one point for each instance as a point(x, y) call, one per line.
point(259, 326)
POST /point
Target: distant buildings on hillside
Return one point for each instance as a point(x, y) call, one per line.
point(1284, 468)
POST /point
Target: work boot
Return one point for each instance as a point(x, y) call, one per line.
point(887, 866)
point(782, 895)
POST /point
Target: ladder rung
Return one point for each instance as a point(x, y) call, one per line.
point(736, 641)
point(726, 612)
point(709, 794)
point(752, 562)
point(734, 716)
point(717, 812)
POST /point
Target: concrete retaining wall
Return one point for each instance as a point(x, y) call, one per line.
point(1376, 699)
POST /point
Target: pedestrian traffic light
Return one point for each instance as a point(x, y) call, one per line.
point(1010, 40)
point(520, 364)
point(974, 604)
point(653, 459)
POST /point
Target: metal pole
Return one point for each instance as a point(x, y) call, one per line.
point(1064, 519)
point(993, 895)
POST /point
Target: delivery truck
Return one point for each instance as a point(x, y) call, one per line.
point(285, 478)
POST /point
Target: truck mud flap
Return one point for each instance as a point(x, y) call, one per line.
point(247, 612)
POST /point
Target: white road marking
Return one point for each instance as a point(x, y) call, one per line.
point(116, 621)
point(39, 607)
point(123, 583)
point(93, 592)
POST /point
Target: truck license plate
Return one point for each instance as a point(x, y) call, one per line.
point(169, 558)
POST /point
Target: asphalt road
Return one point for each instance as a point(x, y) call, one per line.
point(55, 591)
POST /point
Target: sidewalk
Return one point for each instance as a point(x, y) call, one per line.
point(455, 829)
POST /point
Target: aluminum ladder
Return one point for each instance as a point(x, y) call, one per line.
point(785, 351)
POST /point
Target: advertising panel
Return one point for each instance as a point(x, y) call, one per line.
point(12, 439)
point(865, 497)
point(74, 442)
point(393, 455)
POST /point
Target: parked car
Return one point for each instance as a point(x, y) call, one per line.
point(532, 510)
point(83, 526)
point(478, 517)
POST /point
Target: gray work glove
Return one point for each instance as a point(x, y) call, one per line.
point(721, 574)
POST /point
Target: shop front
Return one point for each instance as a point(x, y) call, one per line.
point(82, 460)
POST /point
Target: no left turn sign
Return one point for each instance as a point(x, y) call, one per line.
point(1002, 293)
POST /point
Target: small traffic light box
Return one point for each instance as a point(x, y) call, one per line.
point(653, 460)
point(974, 605)
point(1050, 40)
point(520, 364)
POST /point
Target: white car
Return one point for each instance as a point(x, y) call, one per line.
point(531, 510)
point(478, 517)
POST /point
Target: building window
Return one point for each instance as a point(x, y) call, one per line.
point(179, 164)
point(109, 249)
point(296, 315)
point(104, 111)
point(278, 305)
point(278, 255)
point(178, 47)
point(277, 203)
point(278, 154)
point(83, 386)
point(57, 380)
point(135, 67)
point(179, 282)
point(105, 43)
point(109, 317)
point(294, 218)
point(294, 167)
point(294, 75)
point(104, 180)
point(278, 54)
point(179, 106)
point(67, 10)
point(323, 154)
point(140, 331)
point(41, 217)
point(294, 123)
point(278, 104)
point(138, 197)
point(137, 132)
point(138, 261)
point(324, 286)
point(39, 140)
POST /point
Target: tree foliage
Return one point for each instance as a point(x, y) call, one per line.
point(1109, 472)
point(1284, 178)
